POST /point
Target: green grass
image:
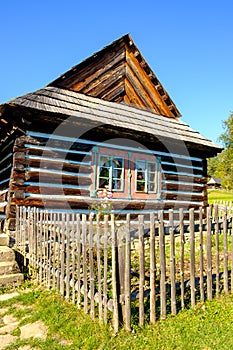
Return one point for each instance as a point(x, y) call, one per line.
point(208, 326)
point(219, 195)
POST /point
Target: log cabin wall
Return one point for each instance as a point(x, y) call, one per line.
point(60, 172)
point(6, 151)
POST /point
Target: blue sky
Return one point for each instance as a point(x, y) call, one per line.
point(188, 45)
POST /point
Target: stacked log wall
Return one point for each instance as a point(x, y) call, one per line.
point(53, 171)
point(6, 161)
point(48, 173)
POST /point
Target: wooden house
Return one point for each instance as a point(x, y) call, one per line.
point(106, 122)
point(214, 183)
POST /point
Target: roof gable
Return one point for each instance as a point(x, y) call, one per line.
point(119, 73)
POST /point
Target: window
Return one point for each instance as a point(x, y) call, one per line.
point(111, 170)
point(146, 175)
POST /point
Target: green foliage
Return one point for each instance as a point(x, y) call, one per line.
point(222, 165)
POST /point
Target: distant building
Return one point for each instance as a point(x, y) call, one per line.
point(214, 183)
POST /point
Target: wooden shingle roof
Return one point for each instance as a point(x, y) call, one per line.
point(119, 73)
point(90, 110)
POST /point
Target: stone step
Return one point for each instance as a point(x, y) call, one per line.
point(6, 254)
point(14, 279)
point(8, 267)
point(4, 239)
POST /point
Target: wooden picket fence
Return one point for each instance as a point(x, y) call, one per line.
point(129, 270)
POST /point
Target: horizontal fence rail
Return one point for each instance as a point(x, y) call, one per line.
point(130, 270)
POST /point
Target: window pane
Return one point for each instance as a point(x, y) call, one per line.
point(140, 186)
point(103, 182)
point(111, 172)
point(151, 187)
point(151, 177)
point(140, 176)
point(151, 167)
point(116, 184)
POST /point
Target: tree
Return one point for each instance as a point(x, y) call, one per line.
point(222, 165)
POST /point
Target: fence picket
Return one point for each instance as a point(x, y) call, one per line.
point(182, 242)
point(73, 256)
point(192, 256)
point(172, 262)
point(127, 275)
point(202, 290)
point(41, 250)
point(225, 248)
point(152, 270)
point(162, 260)
point(78, 242)
point(114, 276)
point(62, 274)
point(67, 257)
point(91, 260)
point(99, 268)
point(209, 254)
point(84, 261)
point(53, 239)
point(105, 286)
point(216, 219)
point(141, 270)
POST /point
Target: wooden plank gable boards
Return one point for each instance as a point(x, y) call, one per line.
point(106, 127)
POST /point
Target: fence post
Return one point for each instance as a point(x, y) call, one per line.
point(192, 256)
point(152, 270)
point(162, 258)
point(202, 293)
point(141, 270)
point(121, 258)
point(209, 254)
point(182, 242)
point(127, 281)
point(172, 262)
point(225, 248)
point(114, 276)
point(216, 220)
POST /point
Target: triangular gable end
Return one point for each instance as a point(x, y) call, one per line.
point(119, 73)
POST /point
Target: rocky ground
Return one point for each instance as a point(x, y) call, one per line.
point(10, 329)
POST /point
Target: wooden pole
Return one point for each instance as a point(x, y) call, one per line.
point(182, 242)
point(172, 262)
point(78, 235)
point(62, 275)
point(127, 275)
point(114, 276)
point(192, 256)
point(84, 265)
point(209, 255)
point(225, 248)
point(216, 220)
point(162, 260)
point(105, 286)
point(91, 259)
point(141, 270)
point(152, 270)
point(202, 293)
point(67, 255)
point(73, 246)
point(99, 267)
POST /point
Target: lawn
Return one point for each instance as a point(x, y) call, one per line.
point(207, 326)
point(220, 195)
